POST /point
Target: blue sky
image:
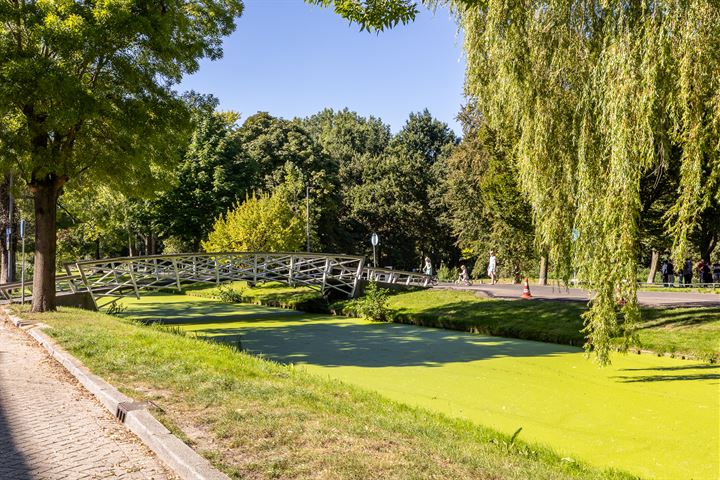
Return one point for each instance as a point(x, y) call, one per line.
point(292, 59)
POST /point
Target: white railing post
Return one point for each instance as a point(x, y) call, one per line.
point(290, 270)
point(358, 274)
point(132, 279)
point(177, 274)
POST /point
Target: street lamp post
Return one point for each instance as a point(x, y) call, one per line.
point(374, 240)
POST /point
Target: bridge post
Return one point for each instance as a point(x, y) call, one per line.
point(132, 279)
point(87, 285)
point(217, 272)
point(255, 269)
point(358, 274)
point(325, 274)
point(290, 270)
point(177, 274)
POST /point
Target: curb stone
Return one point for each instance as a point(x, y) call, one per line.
point(183, 460)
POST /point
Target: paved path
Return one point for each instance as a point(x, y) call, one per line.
point(673, 297)
point(51, 428)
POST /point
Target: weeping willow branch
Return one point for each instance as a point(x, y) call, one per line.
point(593, 89)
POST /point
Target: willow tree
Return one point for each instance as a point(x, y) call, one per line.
point(86, 90)
point(599, 93)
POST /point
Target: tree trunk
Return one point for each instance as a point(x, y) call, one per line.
point(653, 266)
point(45, 195)
point(543, 271)
point(130, 245)
point(150, 244)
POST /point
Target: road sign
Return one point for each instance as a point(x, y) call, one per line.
point(22, 228)
point(374, 239)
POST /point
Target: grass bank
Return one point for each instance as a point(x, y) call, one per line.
point(689, 332)
point(257, 419)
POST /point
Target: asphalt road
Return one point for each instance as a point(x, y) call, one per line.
point(673, 297)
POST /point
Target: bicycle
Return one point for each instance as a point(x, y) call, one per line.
point(464, 281)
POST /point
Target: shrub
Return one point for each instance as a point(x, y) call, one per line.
point(262, 223)
point(373, 305)
point(228, 294)
point(445, 273)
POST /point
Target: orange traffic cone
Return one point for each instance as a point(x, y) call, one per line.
point(526, 289)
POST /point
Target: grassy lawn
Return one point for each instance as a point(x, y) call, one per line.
point(628, 416)
point(693, 332)
point(258, 419)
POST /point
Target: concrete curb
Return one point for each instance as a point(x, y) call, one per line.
point(183, 460)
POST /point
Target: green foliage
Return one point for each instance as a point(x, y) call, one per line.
point(116, 308)
point(85, 84)
point(261, 223)
point(397, 194)
point(445, 273)
point(86, 92)
point(601, 91)
point(345, 137)
point(230, 294)
point(372, 15)
point(373, 304)
point(212, 176)
point(486, 207)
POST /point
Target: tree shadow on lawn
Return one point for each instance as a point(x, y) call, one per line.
point(375, 345)
point(678, 317)
point(548, 321)
point(694, 372)
point(205, 312)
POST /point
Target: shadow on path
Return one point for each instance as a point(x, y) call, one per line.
point(13, 463)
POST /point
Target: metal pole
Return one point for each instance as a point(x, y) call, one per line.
point(374, 258)
point(307, 214)
point(22, 273)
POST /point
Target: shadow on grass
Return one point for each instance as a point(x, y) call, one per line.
point(555, 322)
point(692, 372)
point(373, 345)
point(676, 318)
point(204, 312)
point(296, 337)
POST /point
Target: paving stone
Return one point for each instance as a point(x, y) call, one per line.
point(51, 428)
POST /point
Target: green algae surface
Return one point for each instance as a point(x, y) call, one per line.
point(652, 416)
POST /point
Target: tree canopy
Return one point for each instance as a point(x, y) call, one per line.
point(262, 223)
point(85, 88)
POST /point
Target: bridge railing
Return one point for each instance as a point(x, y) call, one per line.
point(388, 275)
point(63, 283)
point(112, 278)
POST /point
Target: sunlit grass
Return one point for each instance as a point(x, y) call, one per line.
point(258, 419)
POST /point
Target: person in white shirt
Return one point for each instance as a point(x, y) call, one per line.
point(492, 268)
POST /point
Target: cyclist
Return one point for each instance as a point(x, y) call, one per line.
point(463, 278)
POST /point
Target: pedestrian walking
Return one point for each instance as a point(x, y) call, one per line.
point(707, 272)
point(687, 272)
point(492, 268)
point(700, 269)
point(664, 273)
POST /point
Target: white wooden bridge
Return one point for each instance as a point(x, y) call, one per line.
point(109, 279)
